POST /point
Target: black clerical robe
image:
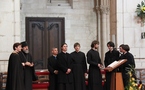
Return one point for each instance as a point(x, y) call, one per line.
point(79, 70)
point(65, 81)
point(95, 77)
point(28, 71)
point(52, 66)
point(15, 77)
point(123, 67)
point(110, 57)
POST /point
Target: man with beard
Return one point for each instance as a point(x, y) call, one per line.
point(28, 65)
point(93, 58)
point(15, 70)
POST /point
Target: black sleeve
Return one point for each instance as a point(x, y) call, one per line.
point(12, 71)
point(99, 59)
point(60, 64)
point(30, 58)
point(22, 57)
point(106, 61)
point(49, 66)
point(130, 61)
point(117, 56)
point(84, 63)
point(71, 62)
point(89, 59)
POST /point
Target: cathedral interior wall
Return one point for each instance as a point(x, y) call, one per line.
point(129, 30)
point(80, 25)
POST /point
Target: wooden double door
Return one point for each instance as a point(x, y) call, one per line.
point(42, 34)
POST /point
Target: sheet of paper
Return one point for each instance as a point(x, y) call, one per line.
point(113, 64)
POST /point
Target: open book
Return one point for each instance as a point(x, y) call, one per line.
point(115, 64)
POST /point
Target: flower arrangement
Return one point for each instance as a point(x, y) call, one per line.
point(140, 10)
point(132, 84)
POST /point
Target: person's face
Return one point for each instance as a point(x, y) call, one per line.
point(55, 51)
point(64, 47)
point(121, 49)
point(25, 49)
point(109, 47)
point(18, 48)
point(96, 46)
point(77, 48)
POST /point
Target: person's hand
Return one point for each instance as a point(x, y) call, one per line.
point(99, 65)
point(56, 71)
point(28, 63)
point(23, 64)
point(68, 71)
point(85, 74)
point(31, 65)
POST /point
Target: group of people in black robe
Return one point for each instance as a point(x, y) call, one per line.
point(20, 68)
point(68, 71)
point(113, 55)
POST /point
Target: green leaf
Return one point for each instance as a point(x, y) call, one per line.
point(138, 5)
point(142, 3)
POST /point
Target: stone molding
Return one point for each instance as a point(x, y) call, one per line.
point(105, 9)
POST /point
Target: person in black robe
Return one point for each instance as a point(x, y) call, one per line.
point(124, 68)
point(110, 56)
point(65, 75)
point(28, 66)
point(53, 70)
point(79, 68)
point(15, 80)
point(94, 61)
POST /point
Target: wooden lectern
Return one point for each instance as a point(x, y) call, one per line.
point(116, 78)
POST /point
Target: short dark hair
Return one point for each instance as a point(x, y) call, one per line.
point(121, 45)
point(111, 44)
point(63, 44)
point(16, 45)
point(24, 44)
point(76, 44)
point(54, 48)
point(94, 43)
point(125, 47)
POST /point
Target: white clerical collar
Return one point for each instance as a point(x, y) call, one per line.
point(94, 49)
point(64, 52)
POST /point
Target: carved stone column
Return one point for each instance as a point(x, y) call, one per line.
point(98, 17)
point(103, 14)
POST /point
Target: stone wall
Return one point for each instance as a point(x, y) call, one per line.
point(3, 65)
point(80, 25)
point(129, 31)
point(80, 22)
point(9, 29)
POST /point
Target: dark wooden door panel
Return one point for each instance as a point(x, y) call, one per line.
point(42, 34)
